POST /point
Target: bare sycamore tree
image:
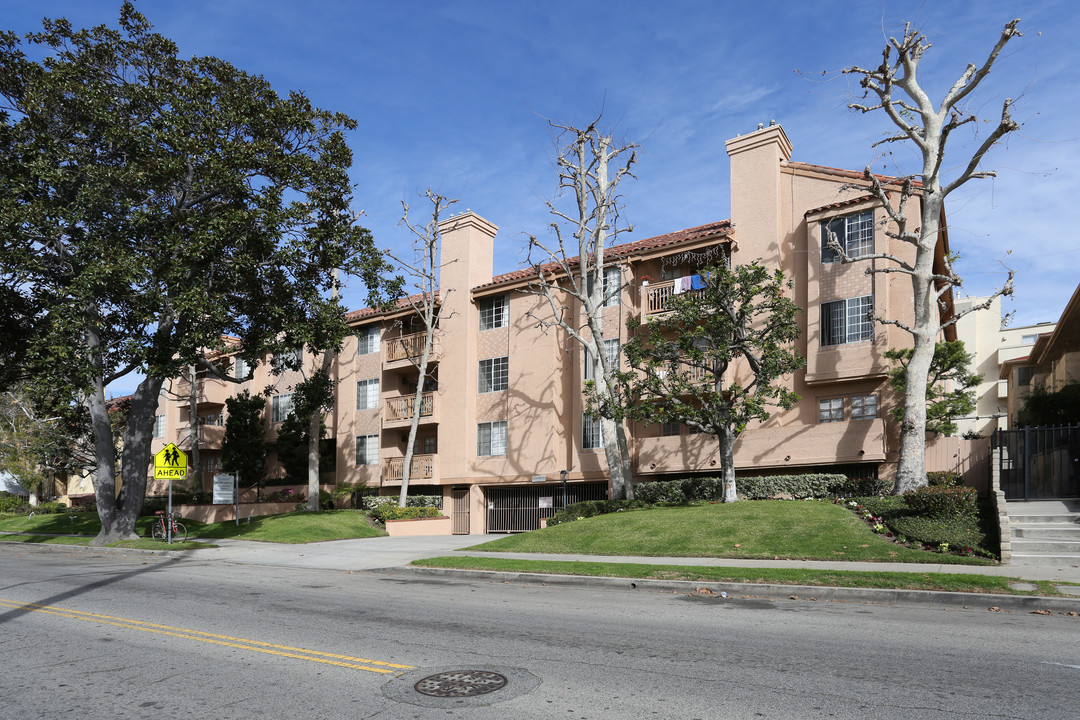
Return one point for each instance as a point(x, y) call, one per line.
point(423, 271)
point(590, 166)
point(894, 89)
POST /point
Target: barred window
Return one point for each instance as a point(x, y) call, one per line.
point(367, 341)
point(367, 449)
point(847, 321)
point(159, 426)
point(671, 429)
point(282, 405)
point(491, 438)
point(494, 375)
point(864, 407)
point(831, 410)
point(367, 394)
point(493, 312)
point(591, 435)
point(855, 233)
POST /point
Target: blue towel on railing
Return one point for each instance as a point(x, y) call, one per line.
point(697, 282)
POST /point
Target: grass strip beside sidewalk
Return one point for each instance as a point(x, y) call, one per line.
point(944, 582)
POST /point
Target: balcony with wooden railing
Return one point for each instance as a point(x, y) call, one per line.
point(400, 409)
point(655, 297)
point(407, 347)
point(423, 468)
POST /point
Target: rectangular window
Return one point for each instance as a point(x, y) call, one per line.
point(491, 438)
point(864, 407)
point(591, 435)
point(847, 321)
point(367, 449)
point(288, 360)
point(211, 464)
point(494, 375)
point(431, 445)
point(241, 369)
point(367, 341)
point(671, 429)
point(282, 406)
point(831, 410)
point(494, 313)
point(611, 349)
point(855, 233)
point(159, 426)
point(367, 394)
point(612, 286)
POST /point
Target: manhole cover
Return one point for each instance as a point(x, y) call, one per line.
point(461, 683)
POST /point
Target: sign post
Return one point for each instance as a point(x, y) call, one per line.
point(170, 462)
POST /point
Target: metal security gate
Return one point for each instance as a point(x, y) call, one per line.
point(459, 514)
point(1039, 463)
point(519, 508)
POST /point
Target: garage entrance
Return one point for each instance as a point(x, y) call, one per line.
point(519, 508)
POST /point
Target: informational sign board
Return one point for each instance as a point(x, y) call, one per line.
point(539, 478)
point(170, 463)
point(547, 502)
point(224, 486)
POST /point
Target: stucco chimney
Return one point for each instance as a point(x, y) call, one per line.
point(757, 200)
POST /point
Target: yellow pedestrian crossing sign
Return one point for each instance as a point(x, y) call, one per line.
point(170, 462)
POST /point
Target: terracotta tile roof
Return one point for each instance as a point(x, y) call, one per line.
point(399, 305)
point(850, 174)
point(722, 227)
point(841, 204)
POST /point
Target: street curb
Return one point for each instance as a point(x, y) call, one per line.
point(929, 599)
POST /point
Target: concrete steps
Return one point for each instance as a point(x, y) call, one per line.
point(1045, 533)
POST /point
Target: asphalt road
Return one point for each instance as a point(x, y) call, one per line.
point(114, 636)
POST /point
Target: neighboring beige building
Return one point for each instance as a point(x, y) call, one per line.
point(1047, 355)
point(503, 423)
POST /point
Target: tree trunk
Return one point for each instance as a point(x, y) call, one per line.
point(726, 442)
point(414, 424)
point(617, 453)
point(314, 427)
point(195, 469)
point(911, 469)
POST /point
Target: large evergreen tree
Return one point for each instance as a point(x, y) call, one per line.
point(149, 204)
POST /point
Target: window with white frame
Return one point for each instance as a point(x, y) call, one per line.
point(289, 359)
point(367, 394)
point(831, 410)
point(863, 407)
point(281, 406)
point(159, 426)
point(367, 340)
point(854, 233)
point(367, 449)
point(494, 312)
point(611, 349)
point(591, 435)
point(491, 438)
point(611, 286)
point(241, 369)
point(494, 375)
point(847, 321)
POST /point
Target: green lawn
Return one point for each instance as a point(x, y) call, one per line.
point(794, 530)
point(948, 582)
point(297, 527)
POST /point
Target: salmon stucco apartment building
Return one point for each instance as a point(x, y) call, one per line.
point(503, 429)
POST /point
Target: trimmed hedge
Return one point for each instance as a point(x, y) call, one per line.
point(944, 478)
point(11, 503)
point(374, 502)
point(809, 485)
point(977, 531)
point(393, 512)
point(942, 501)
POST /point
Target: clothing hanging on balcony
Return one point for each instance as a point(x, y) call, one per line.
point(697, 282)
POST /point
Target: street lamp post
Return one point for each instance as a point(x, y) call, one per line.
point(564, 473)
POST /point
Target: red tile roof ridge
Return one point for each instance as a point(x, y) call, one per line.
point(623, 250)
point(399, 304)
point(853, 174)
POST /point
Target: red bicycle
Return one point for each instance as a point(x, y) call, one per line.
point(160, 530)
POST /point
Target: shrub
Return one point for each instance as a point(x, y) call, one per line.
point(944, 478)
point(941, 501)
point(797, 486)
point(374, 502)
point(864, 487)
point(393, 512)
point(978, 531)
point(10, 503)
point(590, 508)
point(50, 508)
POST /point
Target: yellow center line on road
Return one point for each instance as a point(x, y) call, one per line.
point(224, 640)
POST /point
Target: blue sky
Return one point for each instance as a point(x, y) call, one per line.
point(455, 95)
